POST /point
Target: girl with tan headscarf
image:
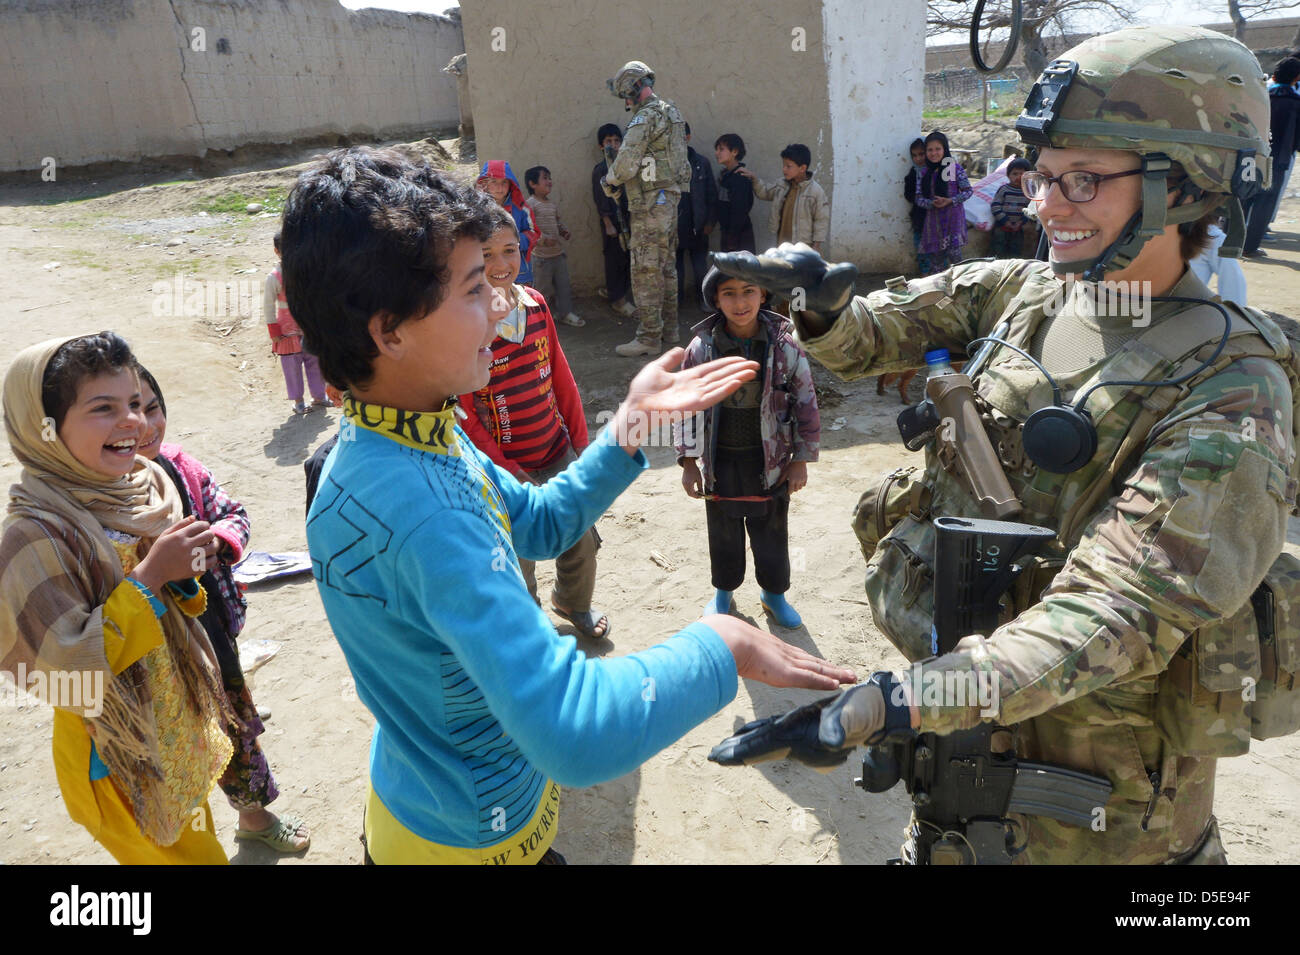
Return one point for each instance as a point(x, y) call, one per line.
point(98, 601)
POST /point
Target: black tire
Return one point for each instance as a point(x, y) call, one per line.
point(1013, 42)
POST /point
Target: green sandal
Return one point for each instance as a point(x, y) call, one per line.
point(279, 835)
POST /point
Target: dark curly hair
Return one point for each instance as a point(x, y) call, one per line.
point(74, 362)
point(368, 232)
point(798, 153)
point(499, 218)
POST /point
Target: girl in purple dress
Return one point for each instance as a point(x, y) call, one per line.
point(943, 191)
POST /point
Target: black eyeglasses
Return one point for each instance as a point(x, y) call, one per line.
point(1076, 186)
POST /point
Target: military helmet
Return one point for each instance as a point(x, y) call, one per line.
point(629, 79)
point(1171, 94)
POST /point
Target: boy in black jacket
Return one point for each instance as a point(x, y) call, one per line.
point(618, 264)
point(915, 212)
point(697, 211)
point(735, 196)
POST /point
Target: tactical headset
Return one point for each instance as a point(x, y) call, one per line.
point(1062, 438)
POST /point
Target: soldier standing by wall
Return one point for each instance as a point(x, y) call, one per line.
point(653, 170)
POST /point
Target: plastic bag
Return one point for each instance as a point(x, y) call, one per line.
point(979, 207)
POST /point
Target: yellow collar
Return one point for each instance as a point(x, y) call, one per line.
point(423, 430)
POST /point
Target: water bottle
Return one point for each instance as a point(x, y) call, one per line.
point(937, 363)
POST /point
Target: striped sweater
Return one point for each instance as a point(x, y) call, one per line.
point(530, 411)
point(1008, 206)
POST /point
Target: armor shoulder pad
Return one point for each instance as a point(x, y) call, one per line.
point(1285, 341)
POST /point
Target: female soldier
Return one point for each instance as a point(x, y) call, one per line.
point(1133, 640)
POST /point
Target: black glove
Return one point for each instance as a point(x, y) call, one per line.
point(822, 734)
point(826, 289)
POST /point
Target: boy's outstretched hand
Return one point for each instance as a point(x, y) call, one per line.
point(769, 659)
point(657, 387)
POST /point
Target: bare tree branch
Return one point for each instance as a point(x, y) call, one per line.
point(1042, 20)
point(1240, 12)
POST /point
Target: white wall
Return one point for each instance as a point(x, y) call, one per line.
point(875, 71)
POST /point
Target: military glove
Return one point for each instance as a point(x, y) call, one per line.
point(611, 189)
point(822, 734)
point(826, 289)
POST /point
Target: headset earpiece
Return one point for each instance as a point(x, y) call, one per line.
point(1059, 439)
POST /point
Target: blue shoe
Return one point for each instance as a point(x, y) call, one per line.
point(781, 611)
point(721, 603)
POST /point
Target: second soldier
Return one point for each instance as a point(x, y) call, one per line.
point(653, 169)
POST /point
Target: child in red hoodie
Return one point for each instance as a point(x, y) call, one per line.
point(498, 180)
point(529, 418)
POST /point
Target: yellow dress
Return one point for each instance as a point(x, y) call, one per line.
point(133, 632)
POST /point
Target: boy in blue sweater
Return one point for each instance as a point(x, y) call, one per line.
point(482, 709)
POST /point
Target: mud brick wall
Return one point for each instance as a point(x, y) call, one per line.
point(845, 77)
point(90, 81)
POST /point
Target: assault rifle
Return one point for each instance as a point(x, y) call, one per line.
point(624, 233)
point(964, 785)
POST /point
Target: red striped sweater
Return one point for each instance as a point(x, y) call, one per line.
point(530, 410)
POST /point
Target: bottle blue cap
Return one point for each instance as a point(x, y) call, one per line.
point(936, 357)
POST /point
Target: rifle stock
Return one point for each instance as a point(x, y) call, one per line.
point(963, 785)
point(624, 233)
point(975, 562)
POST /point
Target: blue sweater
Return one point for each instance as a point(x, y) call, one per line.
point(478, 701)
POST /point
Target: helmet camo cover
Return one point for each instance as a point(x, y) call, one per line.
point(1196, 95)
point(625, 80)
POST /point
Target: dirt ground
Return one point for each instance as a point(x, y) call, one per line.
point(226, 399)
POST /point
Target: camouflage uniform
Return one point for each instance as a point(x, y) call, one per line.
point(1131, 625)
point(653, 167)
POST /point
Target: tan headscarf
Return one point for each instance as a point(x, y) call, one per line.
point(144, 503)
point(76, 504)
